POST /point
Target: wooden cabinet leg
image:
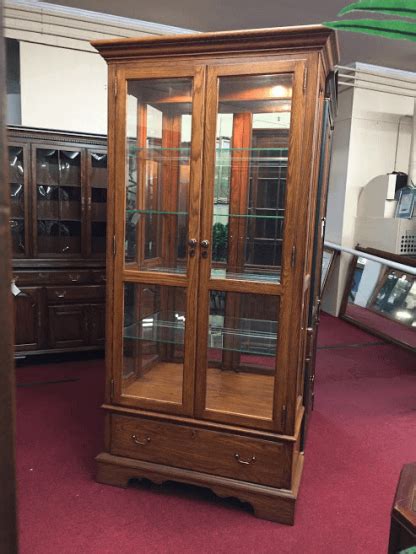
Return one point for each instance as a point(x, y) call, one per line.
point(280, 510)
point(113, 475)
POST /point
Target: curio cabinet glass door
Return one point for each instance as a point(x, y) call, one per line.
point(204, 268)
point(159, 166)
point(253, 117)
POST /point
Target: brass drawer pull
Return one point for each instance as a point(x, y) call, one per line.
point(74, 278)
point(245, 462)
point(139, 442)
point(60, 294)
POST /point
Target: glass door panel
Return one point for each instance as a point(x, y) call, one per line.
point(158, 174)
point(253, 118)
point(252, 140)
point(160, 187)
point(153, 342)
point(17, 199)
point(98, 191)
point(242, 341)
point(58, 201)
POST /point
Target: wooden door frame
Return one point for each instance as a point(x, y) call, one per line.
point(291, 273)
point(120, 274)
point(8, 518)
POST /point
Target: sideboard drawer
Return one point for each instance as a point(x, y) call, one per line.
point(239, 457)
point(73, 277)
point(76, 293)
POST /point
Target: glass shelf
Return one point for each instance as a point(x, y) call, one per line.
point(248, 336)
point(187, 148)
point(251, 216)
point(155, 212)
point(247, 216)
point(274, 277)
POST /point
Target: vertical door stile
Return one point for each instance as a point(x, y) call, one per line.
point(119, 149)
point(285, 395)
point(195, 203)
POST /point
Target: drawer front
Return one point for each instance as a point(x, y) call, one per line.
point(44, 277)
point(98, 277)
point(239, 457)
point(28, 278)
point(75, 293)
point(72, 277)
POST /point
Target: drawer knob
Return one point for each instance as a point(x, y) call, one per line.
point(245, 462)
point(139, 442)
point(60, 294)
point(74, 278)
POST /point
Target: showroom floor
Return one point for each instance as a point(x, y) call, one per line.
point(361, 433)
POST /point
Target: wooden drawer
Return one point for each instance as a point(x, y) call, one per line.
point(27, 278)
point(98, 277)
point(44, 277)
point(73, 277)
point(75, 293)
point(239, 457)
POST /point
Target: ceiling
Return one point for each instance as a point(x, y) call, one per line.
point(221, 15)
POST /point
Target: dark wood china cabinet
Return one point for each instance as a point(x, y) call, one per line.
point(218, 149)
point(58, 193)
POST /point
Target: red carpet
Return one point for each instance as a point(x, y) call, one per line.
point(362, 431)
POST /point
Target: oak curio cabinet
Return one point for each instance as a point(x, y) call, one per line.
point(217, 148)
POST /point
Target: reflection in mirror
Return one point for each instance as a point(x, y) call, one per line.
point(383, 300)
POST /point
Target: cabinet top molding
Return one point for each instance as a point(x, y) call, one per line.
point(299, 38)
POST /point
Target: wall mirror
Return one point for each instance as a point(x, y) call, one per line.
point(381, 300)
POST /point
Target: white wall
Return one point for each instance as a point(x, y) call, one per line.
point(365, 139)
point(63, 89)
point(63, 78)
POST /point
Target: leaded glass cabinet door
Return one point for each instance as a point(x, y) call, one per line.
point(158, 176)
point(252, 150)
point(58, 205)
point(19, 179)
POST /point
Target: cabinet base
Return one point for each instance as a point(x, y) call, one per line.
point(268, 503)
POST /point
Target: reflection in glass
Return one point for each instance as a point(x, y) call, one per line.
point(242, 344)
point(158, 173)
point(383, 300)
point(252, 140)
point(58, 195)
point(153, 344)
point(17, 199)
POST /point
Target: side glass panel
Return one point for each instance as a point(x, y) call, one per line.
point(158, 174)
point(252, 140)
point(98, 201)
point(242, 344)
point(153, 342)
point(17, 199)
point(58, 196)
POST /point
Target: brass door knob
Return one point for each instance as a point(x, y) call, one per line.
point(192, 243)
point(204, 243)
